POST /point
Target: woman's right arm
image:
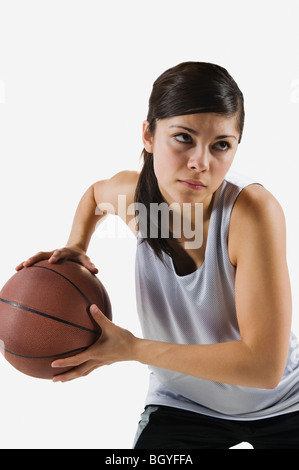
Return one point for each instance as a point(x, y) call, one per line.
point(86, 219)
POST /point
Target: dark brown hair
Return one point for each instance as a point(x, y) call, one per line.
point(187, 88)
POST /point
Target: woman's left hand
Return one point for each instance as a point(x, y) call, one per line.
point(115, 344)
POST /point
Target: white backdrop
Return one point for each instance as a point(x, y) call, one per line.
point(75, 78)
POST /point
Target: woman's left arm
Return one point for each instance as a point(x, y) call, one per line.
point(257, 247)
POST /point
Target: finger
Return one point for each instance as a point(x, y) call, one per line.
point(27, 263)
point(80, 371)
point(88, 264)
point(92, 268)
point(20, 266)
point(39, 256)
point(55, 256)
point(72, 361)
point(98, 315)
point(30, 261)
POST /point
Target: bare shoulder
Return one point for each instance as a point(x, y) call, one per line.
point(124, 182)
point(256, 215)
point(121, 184)
point(125, 178)
point(254, 202)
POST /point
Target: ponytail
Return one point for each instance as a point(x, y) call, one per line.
point(147, 192)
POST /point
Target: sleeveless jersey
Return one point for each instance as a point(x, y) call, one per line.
point(199, 308)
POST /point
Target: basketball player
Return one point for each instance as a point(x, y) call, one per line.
point(214, 301)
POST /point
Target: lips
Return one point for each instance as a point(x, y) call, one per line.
point(193, 184)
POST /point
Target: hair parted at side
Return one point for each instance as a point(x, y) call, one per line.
point(187, 88)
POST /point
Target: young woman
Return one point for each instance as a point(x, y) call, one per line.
point(214, 301)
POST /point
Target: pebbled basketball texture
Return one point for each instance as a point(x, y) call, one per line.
point(44, 315)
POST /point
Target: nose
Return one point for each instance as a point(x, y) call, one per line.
point(199, 160)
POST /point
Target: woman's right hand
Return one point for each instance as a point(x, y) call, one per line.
point(72, 253)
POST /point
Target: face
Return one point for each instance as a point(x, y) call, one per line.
point(192, 153)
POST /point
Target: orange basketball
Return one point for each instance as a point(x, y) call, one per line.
point(44, 315)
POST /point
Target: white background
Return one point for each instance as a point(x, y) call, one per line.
point(75, 78)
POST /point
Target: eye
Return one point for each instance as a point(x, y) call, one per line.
point(222, 146)
point(183, 138)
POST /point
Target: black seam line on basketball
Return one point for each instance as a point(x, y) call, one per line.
point(67, 279)
point(49, 316)
point(45, 357)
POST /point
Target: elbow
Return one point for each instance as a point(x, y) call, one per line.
point(265, 374)
point(272, 378)
point(267, 367)
point(275, 367)
point(272, 382)
point(276, 377)
point(266, 381)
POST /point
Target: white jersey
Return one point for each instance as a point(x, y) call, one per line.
point(199, 308)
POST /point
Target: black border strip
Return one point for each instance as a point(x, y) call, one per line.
point(14, 304)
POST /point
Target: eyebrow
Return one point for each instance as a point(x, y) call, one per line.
point(192, 131)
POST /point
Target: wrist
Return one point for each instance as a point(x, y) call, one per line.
point(139, 350)
point(151, 352)
point(77, 246)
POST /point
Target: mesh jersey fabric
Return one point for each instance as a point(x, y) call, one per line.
point(199, 308)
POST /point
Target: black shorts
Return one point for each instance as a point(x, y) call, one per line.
point(163, 427)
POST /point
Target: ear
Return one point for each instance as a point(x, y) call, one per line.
point(147, 138)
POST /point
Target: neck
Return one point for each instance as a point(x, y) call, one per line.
point(187, 222)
